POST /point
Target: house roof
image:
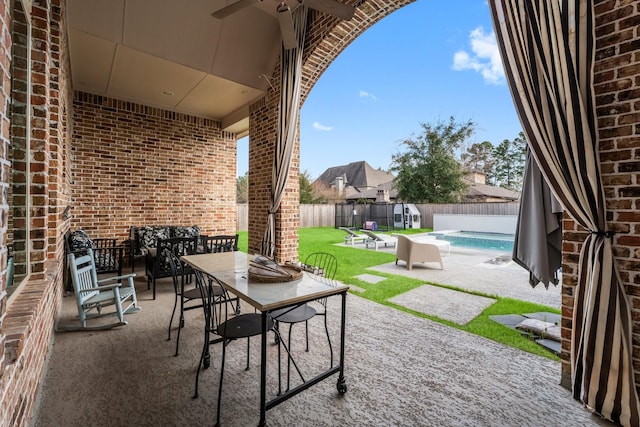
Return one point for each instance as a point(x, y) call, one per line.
point(357, 174)
point(361, 181)
point(474, 191)
point(371, 193)
point(483, 191)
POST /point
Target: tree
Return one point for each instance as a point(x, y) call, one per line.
point(307, 193)
point(242, 188)
point(428, 171)
point(510, 158)
point(479, 158)
point(327, 193)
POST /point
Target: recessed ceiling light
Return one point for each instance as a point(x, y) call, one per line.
point(167, 93)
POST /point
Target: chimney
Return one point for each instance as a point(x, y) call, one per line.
point(382, 196)
point(477, 177)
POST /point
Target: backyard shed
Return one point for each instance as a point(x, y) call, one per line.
point(406, 215)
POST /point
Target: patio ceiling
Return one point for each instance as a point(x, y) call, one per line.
point(174, 55)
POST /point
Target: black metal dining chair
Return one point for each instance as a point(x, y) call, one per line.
point(320, 264)
point(230, 329)
point(189, 298)
point(219, 243)
point(158, 266)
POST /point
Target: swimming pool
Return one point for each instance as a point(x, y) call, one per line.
point(477, 240)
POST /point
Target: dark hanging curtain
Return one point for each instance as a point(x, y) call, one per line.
point(547, 48)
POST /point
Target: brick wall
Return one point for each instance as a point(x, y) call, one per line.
point(27, 320)
point(135, 165)
point(5, 94)
point(617, 89)
point(17, 153)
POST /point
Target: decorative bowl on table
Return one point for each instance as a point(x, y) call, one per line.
point(266, 270)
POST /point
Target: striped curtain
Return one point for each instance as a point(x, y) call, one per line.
point(288, 114)
point(547, 48)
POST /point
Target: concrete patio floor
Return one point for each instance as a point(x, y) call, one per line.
point(400, 370)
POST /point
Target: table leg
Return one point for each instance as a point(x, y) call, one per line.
point(342, 385)
point(263, 371)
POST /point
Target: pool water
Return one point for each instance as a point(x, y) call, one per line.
point(477, 240)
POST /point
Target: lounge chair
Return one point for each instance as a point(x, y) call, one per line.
point(411, 251)
point(376, 240)
point(352, 237)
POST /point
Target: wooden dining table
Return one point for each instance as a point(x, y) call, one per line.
point(231, 269)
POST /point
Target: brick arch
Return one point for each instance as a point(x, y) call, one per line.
point(327, 37)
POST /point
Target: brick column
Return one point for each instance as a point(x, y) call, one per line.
point(262, 141)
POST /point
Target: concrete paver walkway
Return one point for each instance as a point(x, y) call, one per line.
point(489, 272)
point(455, 306)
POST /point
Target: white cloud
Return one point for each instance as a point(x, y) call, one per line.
point(365, 94)
point(320, 127)
point(484, 59)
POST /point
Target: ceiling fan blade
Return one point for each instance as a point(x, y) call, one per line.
point(232, 8)
point(331, 7)
point(289, 39)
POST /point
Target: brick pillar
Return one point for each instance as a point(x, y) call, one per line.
point(262, 141)
point(40, 131)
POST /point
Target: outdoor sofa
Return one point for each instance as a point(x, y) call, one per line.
point(142, 238)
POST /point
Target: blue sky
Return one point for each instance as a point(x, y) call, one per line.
point(422, 64)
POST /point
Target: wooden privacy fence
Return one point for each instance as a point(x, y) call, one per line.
point(324, 215)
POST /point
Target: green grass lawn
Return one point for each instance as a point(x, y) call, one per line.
point(353, 262)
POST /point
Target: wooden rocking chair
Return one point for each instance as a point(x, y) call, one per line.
point(92, 293)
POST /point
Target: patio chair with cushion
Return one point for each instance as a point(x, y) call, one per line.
point(378, 239)
point(352, 237)
point(143, 238)
point(108, 255)
point(411, 251)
